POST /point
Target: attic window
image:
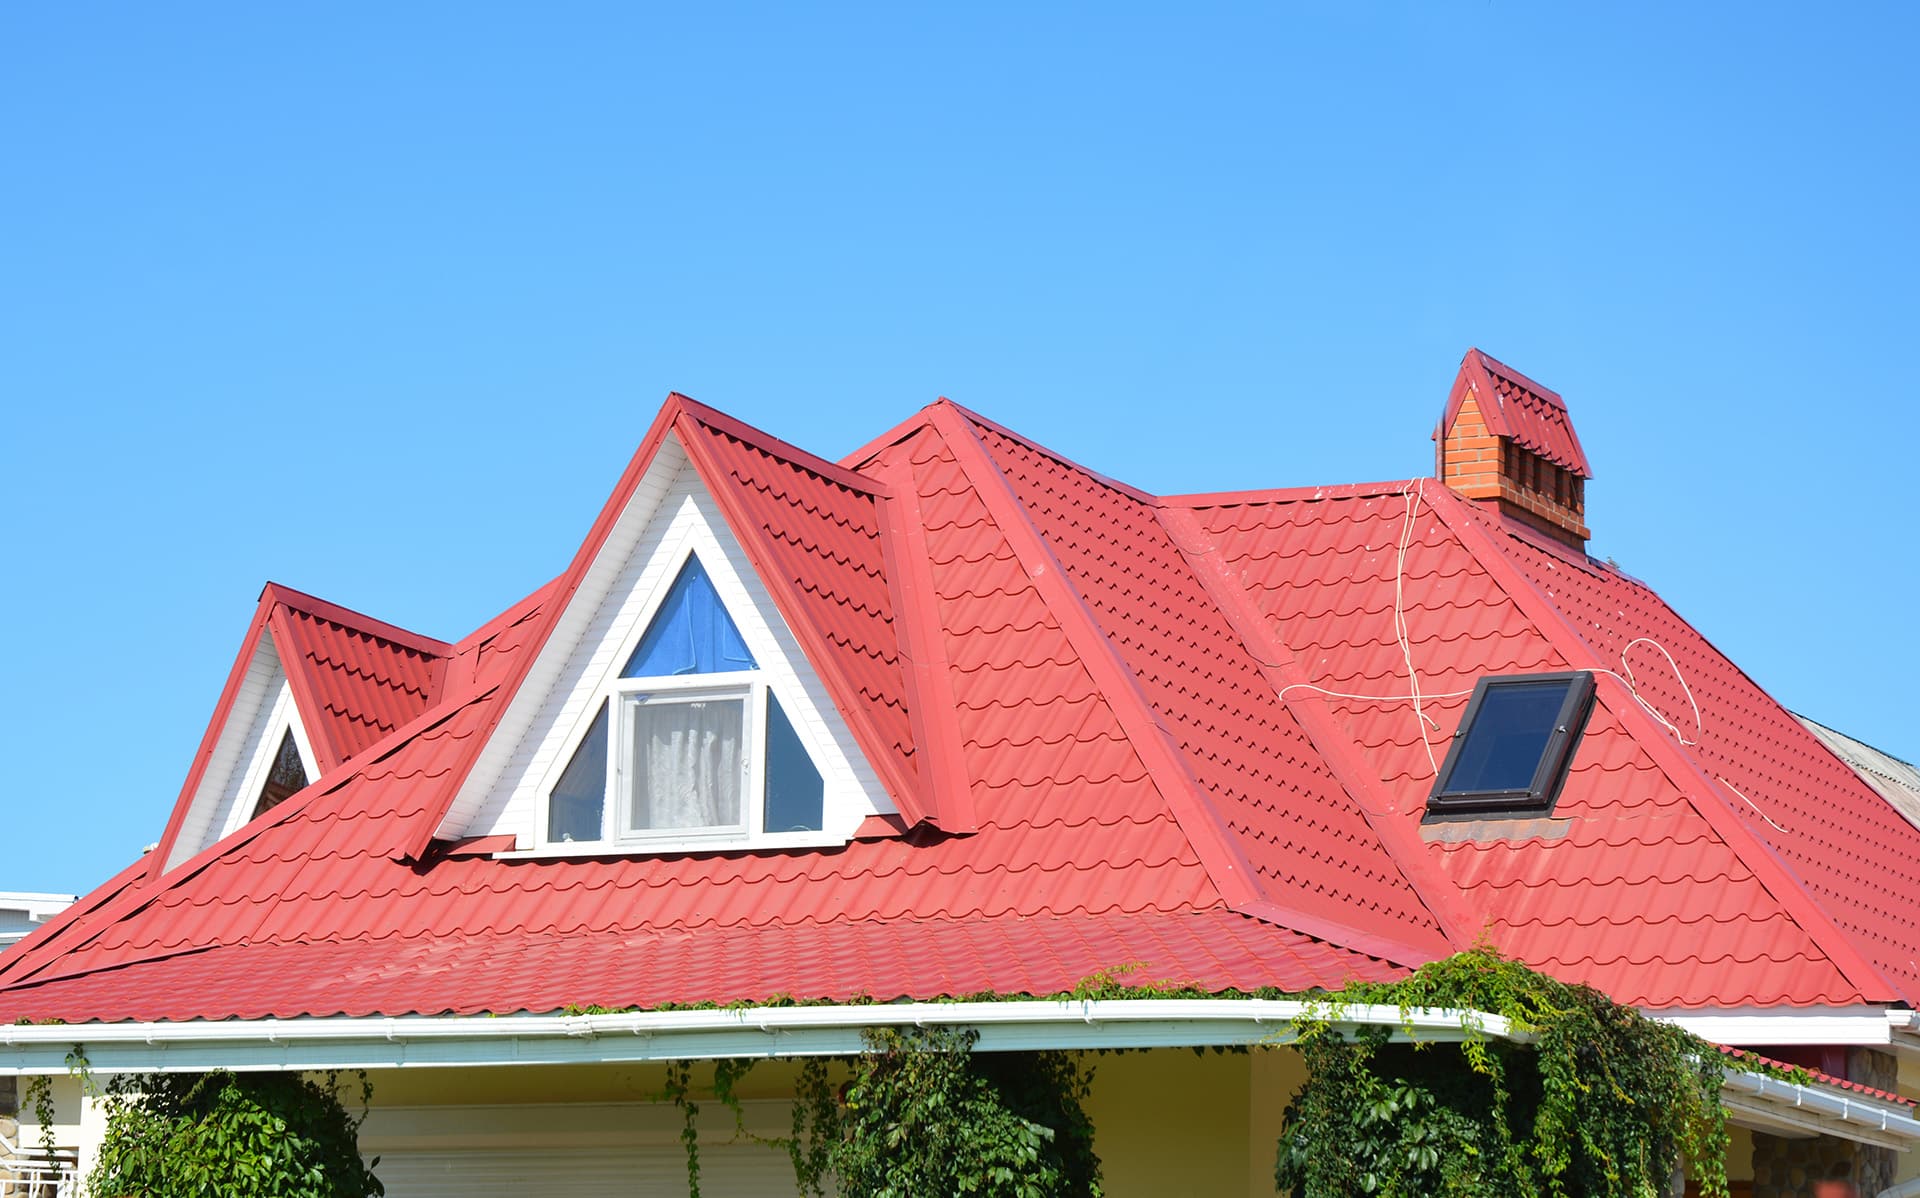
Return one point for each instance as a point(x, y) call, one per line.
point(690, 741)
point(284, 777)
point(1514, 743)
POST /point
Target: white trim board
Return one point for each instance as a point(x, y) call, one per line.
point(261, 712)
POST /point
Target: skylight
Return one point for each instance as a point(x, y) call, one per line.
point(1514, 744)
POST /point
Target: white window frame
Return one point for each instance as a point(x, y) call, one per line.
point(623, 774)
point(751, 685)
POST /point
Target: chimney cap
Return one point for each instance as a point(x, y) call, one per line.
point(1517, 408)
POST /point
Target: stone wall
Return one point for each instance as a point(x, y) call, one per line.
point(1784, 1168)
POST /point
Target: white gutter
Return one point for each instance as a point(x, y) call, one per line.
point(443, 1041)
point(401, 1042)
point(1771, 1104)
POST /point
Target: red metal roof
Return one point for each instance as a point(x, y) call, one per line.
point(1106, 719)
point(1516, 407)
point(354, 678)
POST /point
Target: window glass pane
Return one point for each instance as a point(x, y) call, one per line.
point(691, 633)
point(285, 777)
point(1508, 737)
point(574, 808)
point(686, 763)
point(796, 795)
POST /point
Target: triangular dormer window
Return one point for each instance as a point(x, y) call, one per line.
point(689, 741)
point(286, 775)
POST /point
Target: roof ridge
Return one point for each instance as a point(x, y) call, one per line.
point(768, 443)
point(903, 546)
point(1104, 480)
point(355, 621)
point(1436, 892)
point(1192, 809)
point(1688, 777)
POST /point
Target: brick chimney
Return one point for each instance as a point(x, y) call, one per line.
point(1506, 442)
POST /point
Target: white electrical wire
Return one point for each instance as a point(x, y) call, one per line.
point(1414, 491)
point(1749, 802)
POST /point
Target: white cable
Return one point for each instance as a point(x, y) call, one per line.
point(1414, 493)
point(1749, 802)
point(1308, 686)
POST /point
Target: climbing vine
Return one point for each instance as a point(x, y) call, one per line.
point(920, 1113)
point(1602, 1104)
point(172, 1135)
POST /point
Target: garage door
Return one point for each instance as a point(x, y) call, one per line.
point(574, 1151)
point(726, 1171)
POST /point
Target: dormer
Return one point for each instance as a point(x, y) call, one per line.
point(313, 686)
point(672, 706)
point(1507, 442)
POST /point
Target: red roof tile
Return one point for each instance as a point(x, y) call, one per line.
point(355, 679)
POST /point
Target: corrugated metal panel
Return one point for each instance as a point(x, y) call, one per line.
point(1895, 780)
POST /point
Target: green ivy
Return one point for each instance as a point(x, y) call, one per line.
point(923, 1114)
point(261, 1135)
point(1603, 1103)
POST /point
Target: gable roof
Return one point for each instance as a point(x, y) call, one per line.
point(1120, 729)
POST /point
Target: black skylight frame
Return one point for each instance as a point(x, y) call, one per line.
point(1538, 796)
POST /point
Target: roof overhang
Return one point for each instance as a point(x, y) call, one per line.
point(454, 1041)
point(1855, 1026)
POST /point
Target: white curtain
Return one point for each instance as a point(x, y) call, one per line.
point(686, 762)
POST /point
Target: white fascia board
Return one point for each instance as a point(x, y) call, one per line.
point(1739, 1027)
point(400, 1042)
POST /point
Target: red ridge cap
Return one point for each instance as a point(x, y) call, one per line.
point(1439, 895)
point(1773, 873)
point(1281, 495)
point(1127, 489)
point(358, 621)
point(904, 544)
point(815, 646)
point(1226, 866)
point(1495, 366)
point(851, 479)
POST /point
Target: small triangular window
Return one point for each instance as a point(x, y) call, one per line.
point(285, 777)
point(691, 633)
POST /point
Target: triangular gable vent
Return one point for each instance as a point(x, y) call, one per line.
point(678, 711)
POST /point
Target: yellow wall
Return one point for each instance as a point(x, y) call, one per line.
point(1167, 1123)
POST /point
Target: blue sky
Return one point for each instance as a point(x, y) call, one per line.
point(376, 301)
